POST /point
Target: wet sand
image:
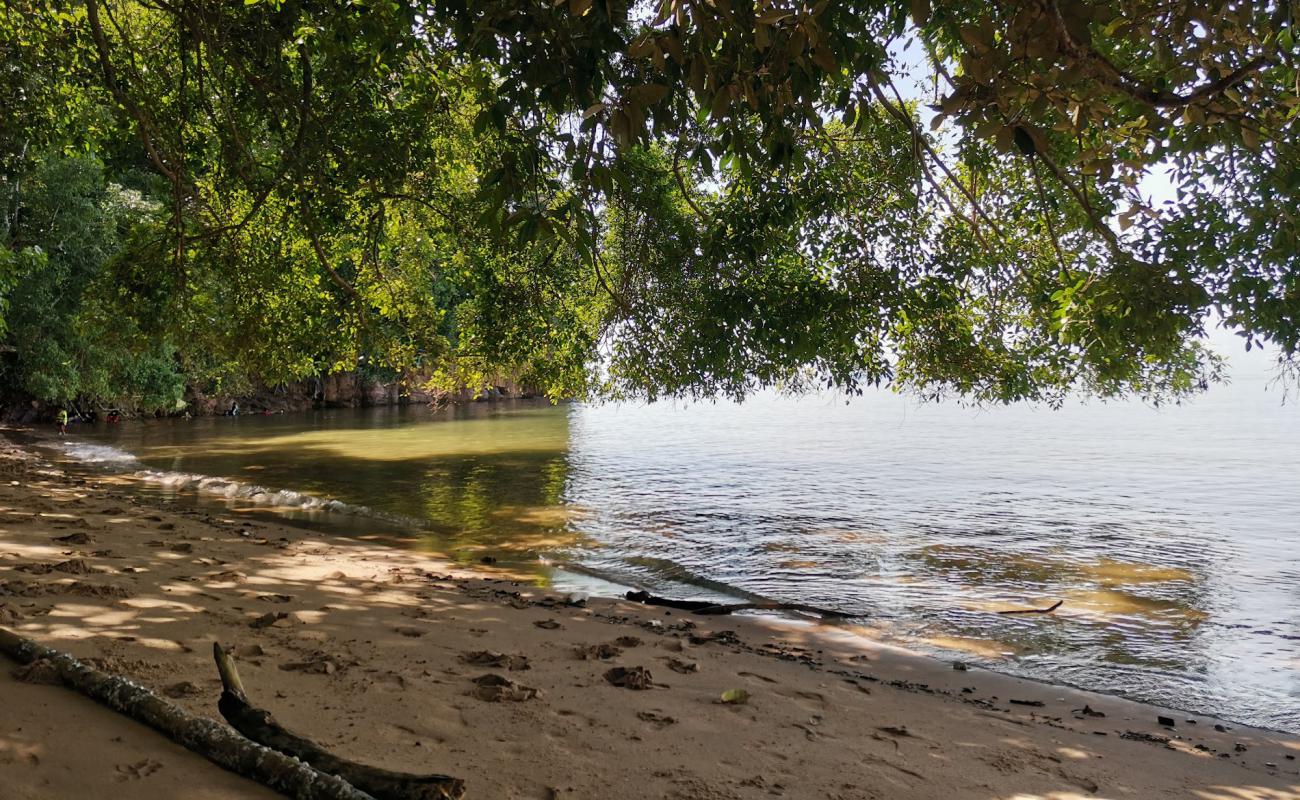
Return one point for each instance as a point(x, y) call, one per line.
point(374, 651)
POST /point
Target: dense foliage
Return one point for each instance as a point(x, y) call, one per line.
point(669, 197)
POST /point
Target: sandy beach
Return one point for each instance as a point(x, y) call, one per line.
point(373, 651)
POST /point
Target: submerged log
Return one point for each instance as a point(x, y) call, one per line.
point(259, 726)
point(1047, 610)
point(209, 738)
point(704, 607)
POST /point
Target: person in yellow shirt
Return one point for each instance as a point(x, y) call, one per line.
point(63, 422)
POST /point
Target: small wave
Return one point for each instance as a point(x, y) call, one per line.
point(105, 456)
point(249, 492)
point(97, 453)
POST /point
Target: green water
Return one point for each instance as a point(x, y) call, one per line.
point(491, 484)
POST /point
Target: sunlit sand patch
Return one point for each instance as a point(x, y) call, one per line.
point(985, 648)
point(186, 590)
point(877, 631)
point(1187, 748)
point(987, 566)
point(526, 542)
point(91, 615)
point(81, 632)
point(18, 752)
point(170, 645)
point(34, 551)
point(541, 515)
point(901, 577)
point(781, 547)
point(847, 535)
point(1108, 603)
point(798, 564)
point(1108, 571)
point(158, 602)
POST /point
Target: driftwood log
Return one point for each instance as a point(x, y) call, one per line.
point(259, 726)
point(705, 607)
point(209, 738)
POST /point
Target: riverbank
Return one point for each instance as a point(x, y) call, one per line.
point(369, 650)
point(347, 389)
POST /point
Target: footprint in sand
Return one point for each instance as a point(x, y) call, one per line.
point(811, 701)
point(134, 772)
point(756, 676)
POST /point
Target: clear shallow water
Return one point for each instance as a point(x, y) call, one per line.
point(1173, 536)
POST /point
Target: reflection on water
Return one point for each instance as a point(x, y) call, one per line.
point(1177, 556)
point(474, 480)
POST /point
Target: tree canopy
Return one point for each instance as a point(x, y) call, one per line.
point(677, 197)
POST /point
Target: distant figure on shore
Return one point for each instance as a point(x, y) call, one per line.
point(234, 409)
point(63, 421)
point(113, 417)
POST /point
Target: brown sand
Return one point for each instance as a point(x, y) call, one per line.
point(371, 657)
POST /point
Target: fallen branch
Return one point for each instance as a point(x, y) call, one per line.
point(1047, 610)
point(259, 726)
point(704, 607)
point(209, 738)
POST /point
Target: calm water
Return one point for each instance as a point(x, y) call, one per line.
point(1173, 536)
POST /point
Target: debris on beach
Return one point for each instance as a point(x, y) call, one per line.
point(491, 658)
point(734, 697)
point(682, 666)
point(630, 677)
point(496, 689)
point(594, 652)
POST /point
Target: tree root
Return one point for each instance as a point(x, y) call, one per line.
point(259, 726)
point(210, 739)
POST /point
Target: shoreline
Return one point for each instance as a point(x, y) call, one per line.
point(363, 648)
point(329, 516)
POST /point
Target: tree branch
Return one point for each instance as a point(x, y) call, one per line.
point(145, 127)
point(1134, 86)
